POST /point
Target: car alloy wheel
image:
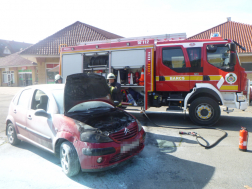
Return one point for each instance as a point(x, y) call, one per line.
point(12, 136)
point(69, 159)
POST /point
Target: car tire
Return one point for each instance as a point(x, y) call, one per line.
point(12, 135)
point(204, 111)
point(69, 159)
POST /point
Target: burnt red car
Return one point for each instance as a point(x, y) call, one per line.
point(77, 121)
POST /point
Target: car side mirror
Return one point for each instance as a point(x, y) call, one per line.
point(116, 103)
point(43, 113)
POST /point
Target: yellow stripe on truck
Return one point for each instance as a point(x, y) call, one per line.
point(215, 77)
point(229, 88)
point(196, 77)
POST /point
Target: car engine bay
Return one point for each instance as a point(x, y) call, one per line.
point(110, 122)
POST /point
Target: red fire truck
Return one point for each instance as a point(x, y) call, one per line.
point(199, 75)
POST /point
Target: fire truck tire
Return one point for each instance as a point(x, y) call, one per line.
point(69, 159)
point(204, 111)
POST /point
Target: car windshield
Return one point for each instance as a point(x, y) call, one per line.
point(59, 97)
point(91, 106)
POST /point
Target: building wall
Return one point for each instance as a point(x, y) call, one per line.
point(42, 76)
point(246, 59)
point(15, 83)
point(249, 75)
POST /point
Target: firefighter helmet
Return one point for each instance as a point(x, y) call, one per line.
point(57, 77)
point(111, 76)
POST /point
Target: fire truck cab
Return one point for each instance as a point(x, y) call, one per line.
point(199, 75)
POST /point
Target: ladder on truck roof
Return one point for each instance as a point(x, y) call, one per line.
point(164, 37)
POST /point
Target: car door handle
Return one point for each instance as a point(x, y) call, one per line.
point(29, 117)
point(15, 111)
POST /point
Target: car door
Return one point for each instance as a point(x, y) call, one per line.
point(41, 128)
point(20, 112)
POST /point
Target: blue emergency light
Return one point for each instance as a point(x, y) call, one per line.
point(216, 34)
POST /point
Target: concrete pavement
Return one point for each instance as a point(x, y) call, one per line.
point(169, 160)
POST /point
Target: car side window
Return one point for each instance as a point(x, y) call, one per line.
point(173, 57)
point(24, 98)
point(39, 100)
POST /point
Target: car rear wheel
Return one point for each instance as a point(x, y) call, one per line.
point(69, 159)
point(12, 136)
point(204, 111)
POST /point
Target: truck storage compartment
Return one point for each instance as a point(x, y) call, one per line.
point(130, 58)
point(97, 62)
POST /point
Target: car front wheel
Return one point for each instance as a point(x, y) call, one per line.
point(204, 111)
point(11, 134)
point(69, 159)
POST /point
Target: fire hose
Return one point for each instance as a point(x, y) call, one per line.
point(194, 133)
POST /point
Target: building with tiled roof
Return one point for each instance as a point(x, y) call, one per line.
point(71, 36)
point(9, 47)
point(46, 52)
point(239, 32)
point(16, 70)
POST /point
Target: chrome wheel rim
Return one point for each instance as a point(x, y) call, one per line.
point(64, 160)
point(204, 112)
point(10, 134)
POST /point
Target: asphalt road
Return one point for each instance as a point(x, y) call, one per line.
point(169, 160)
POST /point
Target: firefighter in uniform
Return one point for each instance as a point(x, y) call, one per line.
point(115, 88)
point(58, 78)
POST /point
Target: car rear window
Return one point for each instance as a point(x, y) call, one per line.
point(24, 98)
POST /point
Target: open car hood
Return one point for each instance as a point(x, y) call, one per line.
point(84, 87)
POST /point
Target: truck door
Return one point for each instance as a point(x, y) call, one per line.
point(217, 68)
point(172, 69)
point(196, 69)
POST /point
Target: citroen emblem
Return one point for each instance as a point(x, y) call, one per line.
point(126, 131)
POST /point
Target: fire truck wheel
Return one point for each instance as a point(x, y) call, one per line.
point(204, 111)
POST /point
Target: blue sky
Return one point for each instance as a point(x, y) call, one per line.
point(31, 21)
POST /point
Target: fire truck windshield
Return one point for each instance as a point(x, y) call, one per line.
point(219, 56)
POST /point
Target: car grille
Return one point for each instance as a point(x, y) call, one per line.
point(121, 156)
point(120, 135)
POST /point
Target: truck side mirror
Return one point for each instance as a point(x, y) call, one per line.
point(232, 47)
point(232, 59)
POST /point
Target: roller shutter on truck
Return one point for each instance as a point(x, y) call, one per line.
point(71, 64)
point(131, 58)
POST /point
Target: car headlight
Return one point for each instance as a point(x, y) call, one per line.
point(93, 136)
point(139, 125)
point(240, 97)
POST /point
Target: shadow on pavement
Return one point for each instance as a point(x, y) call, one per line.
point(40, 152)
point(154, 167)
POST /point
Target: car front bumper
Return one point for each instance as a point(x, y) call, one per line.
point(112, 153)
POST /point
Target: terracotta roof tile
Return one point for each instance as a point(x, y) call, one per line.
point(71, 35)
point(15, 60)
point(239, 32)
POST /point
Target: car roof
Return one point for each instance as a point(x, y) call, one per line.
point(46, 87)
